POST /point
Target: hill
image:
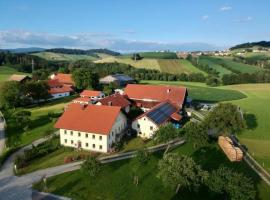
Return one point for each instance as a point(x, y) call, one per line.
point(154, 55)
point(91, 52)
point(264, 44)
point(24, 50)
point(173, 66)
point(51, 56)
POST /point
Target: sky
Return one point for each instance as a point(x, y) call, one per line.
point(129, 26)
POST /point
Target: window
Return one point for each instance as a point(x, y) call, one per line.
point(65, 140)
point(65, 131)
point(112, 133)
point(86, 135)
point(93, 136)
point(151, 128)
point(79, 134)
point(100, 137)
point(94, 146)
point(86, 144)
point(100, 146)
point(71, 141)
point(138, 125)
point(71, 132)
point(140, 133)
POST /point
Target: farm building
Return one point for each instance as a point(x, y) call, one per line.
point(59, 90)
point(148, 96)
point(63, 78)
point(19, 78)
point(91, 127)
point(92, 94)
point(116, 100)
point(118, 79)
point(149, 122)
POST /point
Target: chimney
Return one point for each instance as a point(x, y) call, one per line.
point(168, 90)
point(109, 103)
point(83, 106)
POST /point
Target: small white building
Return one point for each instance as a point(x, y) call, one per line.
point(91, 127)
point(149, 122)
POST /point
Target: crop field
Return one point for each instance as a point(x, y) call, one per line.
point(174, 66)
point(155, 55)
point(63, 57)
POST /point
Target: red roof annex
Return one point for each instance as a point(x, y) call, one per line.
point(88, 118)
point(64, 78)
point(90, 93)
point(115, 100)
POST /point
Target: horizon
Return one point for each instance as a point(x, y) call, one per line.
point(125, 26)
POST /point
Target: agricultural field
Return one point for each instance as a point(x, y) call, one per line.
point(174, 66)
point(154, 55)
point(63, 57)
point(6, 72)
point(121, 184)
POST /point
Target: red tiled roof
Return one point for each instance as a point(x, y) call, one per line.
point(88, 118)
point(176, 116)
point(63, 89)
point(115, 100)
point(82, 99)
point(157, 93)
point(54, 83)
point(64, 78)
point(90, 93)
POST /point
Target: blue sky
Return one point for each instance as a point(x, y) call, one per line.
point(133, 25)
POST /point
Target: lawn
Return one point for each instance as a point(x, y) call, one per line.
point(116, 179)
point(6, 72)
point(201, 92)
point(257, 109)
point(63, 57)
point(41, 123)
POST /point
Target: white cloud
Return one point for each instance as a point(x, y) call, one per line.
point(22, 38)
point(205, 17)
point(244, 20)
point(225, 8)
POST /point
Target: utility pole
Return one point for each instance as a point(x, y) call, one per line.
point(33, 66)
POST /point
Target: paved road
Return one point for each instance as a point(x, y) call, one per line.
point(2, 133)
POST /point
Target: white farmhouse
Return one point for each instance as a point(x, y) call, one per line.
point(91, 127)
point(92, 94)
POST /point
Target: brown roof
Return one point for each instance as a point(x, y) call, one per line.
point(115, 100)
point(157, 93)
point(18, 77)
point(64, 78)
point(54, 83)
point(82, 99)
point(63, 89)
point(89, 118)
point(90, 93)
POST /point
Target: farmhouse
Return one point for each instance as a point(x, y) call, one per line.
point(116, 100)
point(149, 122)
point(118, 79)
point(92, 94)
point(91, 127)
point(59, 90)
point(65, 79)
point(148, 96)
point(19, 78)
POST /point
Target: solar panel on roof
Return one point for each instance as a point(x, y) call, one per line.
point(161, 113)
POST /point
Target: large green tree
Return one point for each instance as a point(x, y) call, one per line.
point(231, 184)
point(225, 119)
point(10, 94)
point(166, 133)
point(196, 133)
point(91, 166)
point(22, 118)
point(85, 78)
point(37, 90)
point(180, 172)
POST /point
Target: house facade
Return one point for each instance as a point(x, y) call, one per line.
point(59, 90)
point(91, 127)
point(92, 94)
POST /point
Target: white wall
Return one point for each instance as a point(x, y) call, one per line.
point(106, 141)
point(144, 128)
point(60, 95)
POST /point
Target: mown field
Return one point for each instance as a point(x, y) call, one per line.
point(6, 72)
point(174, 66)
point(63, 57)
point(115, 180)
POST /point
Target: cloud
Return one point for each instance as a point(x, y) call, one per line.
point(22, 38)
point(244, 20)
point(205, 17)
point(225, 8)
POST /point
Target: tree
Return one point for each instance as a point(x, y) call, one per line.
point(196, 133)
point(234, 185)
point(22, 118)
point(225, 119)
point(91, 166)
point(85, 78)
point(37, 90)
point(10, 94)
point(136, 57)
point(180, 171)
point(212, 81)
point(165, 133)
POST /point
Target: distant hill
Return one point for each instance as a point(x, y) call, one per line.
point(91, 52)
point(264, 44)
point(24, 50)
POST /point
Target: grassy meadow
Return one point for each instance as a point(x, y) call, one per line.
point(63, 57)
point(6, 72)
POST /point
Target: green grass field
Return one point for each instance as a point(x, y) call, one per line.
point(63, 57)
point(116, 179)
point(154, 55)
point(202, 92)
point(173, 66)
point(6, 72)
